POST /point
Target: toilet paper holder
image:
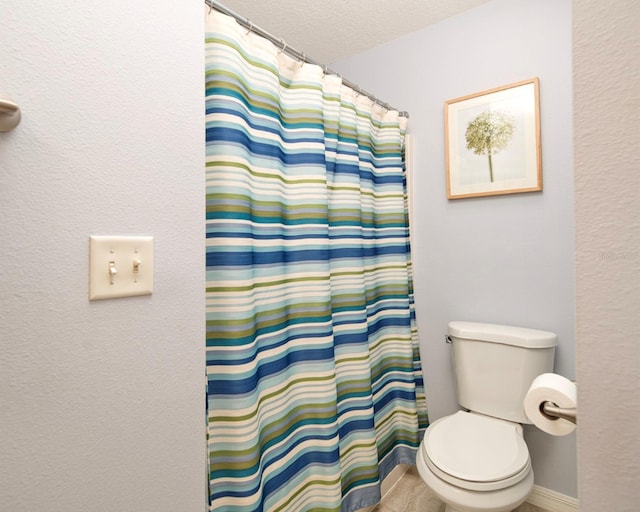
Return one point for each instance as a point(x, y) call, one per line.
point(553, 412)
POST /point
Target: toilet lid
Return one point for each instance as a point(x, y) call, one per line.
point(475, 448)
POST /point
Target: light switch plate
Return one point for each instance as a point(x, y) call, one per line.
point(120, 266)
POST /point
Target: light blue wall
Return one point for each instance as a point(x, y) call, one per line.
point(504, 259)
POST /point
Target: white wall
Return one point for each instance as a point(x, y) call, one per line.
point(504, 259)
point(607, 116)
point(102, 403)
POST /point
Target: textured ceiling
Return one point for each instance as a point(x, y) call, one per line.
point(328, 30)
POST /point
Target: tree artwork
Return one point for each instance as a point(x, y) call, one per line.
point(488, 133)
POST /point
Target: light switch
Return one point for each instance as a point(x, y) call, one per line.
point(120, 266)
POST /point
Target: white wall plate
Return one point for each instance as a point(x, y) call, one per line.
point(120, 266)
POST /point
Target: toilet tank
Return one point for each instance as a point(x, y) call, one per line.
point(494, 366)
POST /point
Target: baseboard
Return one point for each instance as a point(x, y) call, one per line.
point(393, 478)
point(551, 500)
point(389, 483)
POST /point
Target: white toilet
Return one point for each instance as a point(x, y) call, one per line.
point(476, 459)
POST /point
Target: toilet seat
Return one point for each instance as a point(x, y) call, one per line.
point(476, 452)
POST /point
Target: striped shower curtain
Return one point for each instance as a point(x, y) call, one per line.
point(314, 386)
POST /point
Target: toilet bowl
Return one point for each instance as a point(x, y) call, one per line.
point(476, 463)
point(476, 460)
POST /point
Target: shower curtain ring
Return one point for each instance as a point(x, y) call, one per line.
point(250, 27)
point(304, 59)
point(284, 45)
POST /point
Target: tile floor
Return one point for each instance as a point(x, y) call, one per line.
point(411, 494)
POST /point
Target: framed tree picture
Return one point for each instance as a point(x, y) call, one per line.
point(493, 142)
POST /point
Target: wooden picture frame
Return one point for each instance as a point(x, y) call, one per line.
point(493, 142)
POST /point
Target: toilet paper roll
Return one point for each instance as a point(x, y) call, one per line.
point(553, 388)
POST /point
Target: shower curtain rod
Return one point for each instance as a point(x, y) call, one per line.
point(296, 54)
